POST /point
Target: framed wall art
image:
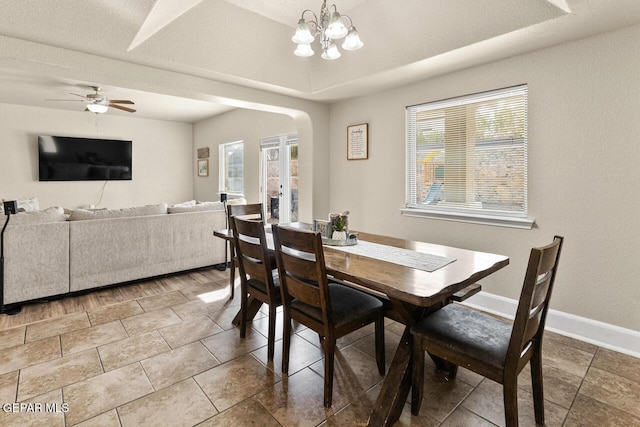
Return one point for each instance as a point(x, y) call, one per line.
point(203, 153)
point(203, 167)
point(358, 142)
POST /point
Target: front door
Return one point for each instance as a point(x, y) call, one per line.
point(279, 183)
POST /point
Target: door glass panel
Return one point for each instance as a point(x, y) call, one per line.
point(293, 181)
point(271, 184)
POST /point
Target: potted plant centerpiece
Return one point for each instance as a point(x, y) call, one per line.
point(339, 225)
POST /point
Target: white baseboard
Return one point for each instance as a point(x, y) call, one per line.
point(602, 334)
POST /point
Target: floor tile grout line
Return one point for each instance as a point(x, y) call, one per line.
point(582, 381)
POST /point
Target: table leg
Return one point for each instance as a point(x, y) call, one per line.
point(253, 306)
point(396, 386)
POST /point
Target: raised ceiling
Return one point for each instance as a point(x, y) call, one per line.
point(248, 43)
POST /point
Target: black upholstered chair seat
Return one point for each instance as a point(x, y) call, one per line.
point(467, 331)
point(257, 284)
point(347, 304)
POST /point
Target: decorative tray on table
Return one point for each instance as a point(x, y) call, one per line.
point(351, 241)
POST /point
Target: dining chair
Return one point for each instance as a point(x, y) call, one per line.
point(491, 347)
point(331, 309)
point(257, 279)
point(248, 211)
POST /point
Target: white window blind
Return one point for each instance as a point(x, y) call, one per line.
point(467, 156)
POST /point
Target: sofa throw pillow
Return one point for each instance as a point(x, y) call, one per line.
point(198, 207)
point(159, 209)
point(29, 204)
point(52, 214)
point(188, 204)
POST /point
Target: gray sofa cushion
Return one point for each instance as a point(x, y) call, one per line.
point(53, 214)
point(85, 214)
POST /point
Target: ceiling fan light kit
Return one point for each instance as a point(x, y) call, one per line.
point(97, 108)
point(329, 27)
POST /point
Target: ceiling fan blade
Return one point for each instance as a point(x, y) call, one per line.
point(120, 107)
point(81, 96)
point(121, 101)
point(72, 100)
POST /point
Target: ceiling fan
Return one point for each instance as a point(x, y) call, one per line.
point(99, 103)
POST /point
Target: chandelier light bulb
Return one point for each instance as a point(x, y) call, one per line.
point(331, 52)
point(352, 41)
point(336, 28)
point(303, 33)
point(304, 50)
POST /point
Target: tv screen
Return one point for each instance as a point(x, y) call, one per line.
point(63, 158)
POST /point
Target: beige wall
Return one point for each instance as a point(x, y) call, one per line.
point(238, 125)
point(584, 157)
point(162, 153)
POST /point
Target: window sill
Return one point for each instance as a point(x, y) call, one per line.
point(472, 218)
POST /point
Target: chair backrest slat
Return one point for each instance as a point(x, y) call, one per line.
point(252, 254)
point(251, 249)
point(534, 298)
point(301, 267)
point(249, 211)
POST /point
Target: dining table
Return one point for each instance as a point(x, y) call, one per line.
point(416, 278)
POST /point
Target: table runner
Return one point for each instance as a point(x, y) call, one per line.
point(405, 257)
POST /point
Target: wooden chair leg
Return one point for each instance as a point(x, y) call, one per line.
point(417, 377)
point(271, 337)
point(329, 359)
point(243, 311)
point(510, 392)
point(286, 341)
point(380, 344)
point(538, 389)
point(232, 271)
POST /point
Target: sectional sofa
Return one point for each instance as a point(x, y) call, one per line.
point(52, 252)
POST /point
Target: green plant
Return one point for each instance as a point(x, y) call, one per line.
point(339, 222)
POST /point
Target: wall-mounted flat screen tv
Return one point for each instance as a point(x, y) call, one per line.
point(63, 158)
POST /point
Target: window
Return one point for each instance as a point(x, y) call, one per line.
point(231, 168)
point(467, 158)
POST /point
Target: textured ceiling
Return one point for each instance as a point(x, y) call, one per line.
point(288, 12)
point(247, 43)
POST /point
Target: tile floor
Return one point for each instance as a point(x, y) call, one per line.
point(164, 352)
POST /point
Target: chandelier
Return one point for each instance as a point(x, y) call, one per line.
point(330, 27)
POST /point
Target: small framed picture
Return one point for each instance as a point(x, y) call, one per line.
point(203, 153)
point(358, 142)
point(203, 167)
point(322, 226)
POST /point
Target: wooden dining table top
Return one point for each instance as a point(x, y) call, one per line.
point(411, 285)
